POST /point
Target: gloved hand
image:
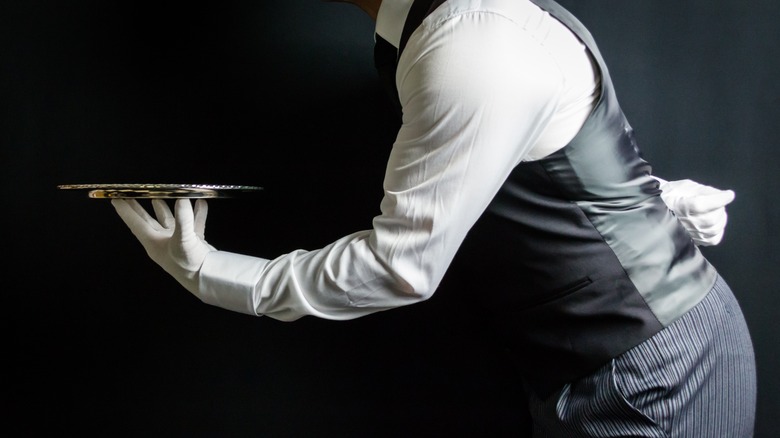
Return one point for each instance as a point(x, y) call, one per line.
point(701, 209)
point(177, 243)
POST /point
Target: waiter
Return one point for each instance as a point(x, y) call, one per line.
point(515, 171)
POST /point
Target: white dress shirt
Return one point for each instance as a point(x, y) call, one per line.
point(484, 85)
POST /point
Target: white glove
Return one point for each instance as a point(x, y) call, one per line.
point(177, 244)
point(701, 209)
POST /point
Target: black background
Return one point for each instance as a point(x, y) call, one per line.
point(284, 95)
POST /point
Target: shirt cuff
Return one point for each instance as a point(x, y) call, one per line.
point(228, 280)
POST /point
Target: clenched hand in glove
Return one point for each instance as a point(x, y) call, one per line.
point(700, 209)
point(176, 243)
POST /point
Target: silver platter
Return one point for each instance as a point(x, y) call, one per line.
point(161, 191)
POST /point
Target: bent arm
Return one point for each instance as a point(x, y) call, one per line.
point(470, 115)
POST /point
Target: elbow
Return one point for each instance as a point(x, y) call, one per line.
point(414, 286)
point(411, 279)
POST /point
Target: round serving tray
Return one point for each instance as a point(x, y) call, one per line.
point(161, 191)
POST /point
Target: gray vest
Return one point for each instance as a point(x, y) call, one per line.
point(577, 259)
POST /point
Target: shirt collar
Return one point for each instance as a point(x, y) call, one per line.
point(390, 19)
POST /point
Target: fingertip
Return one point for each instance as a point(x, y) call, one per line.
point(201, 206)
point(183, 208)
point(181, 203)
point(725, 196)
point(119, 207)
point(120, 204)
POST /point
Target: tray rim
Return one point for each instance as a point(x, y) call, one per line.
point(161, 191)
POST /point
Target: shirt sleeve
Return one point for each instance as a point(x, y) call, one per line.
point(476, 92)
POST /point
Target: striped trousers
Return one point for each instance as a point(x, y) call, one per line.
point(696, 378)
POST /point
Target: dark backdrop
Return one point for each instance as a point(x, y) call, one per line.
point(283, 95)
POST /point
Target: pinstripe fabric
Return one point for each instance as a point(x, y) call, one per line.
point(695, 378)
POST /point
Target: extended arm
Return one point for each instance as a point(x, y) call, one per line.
point(459, 140)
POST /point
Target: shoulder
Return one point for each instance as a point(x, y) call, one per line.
point(480, 33)
point(519, 11)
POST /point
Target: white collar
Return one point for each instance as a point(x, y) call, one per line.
point(390, 19)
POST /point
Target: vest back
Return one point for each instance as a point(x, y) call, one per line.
point(577, 259)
